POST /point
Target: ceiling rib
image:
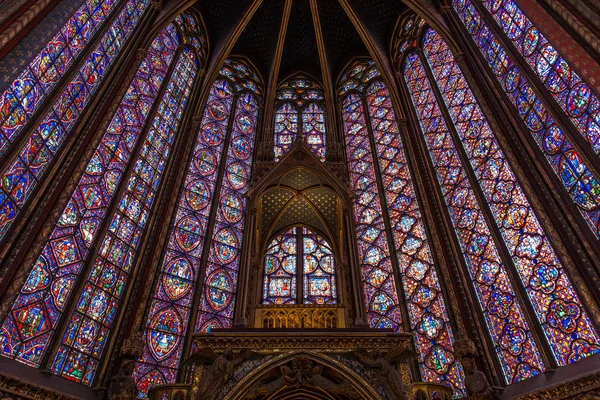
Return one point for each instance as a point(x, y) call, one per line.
point(274, 73)
point(325, 71)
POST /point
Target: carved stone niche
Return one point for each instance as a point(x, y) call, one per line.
point(258, 364)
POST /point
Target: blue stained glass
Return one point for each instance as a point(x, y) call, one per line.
point(576, 177)
point(29, 326)
point(80, 352)
point(29, 167)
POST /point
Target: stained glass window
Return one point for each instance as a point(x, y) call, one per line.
point(300, 109)
point(502, 311)
point(576, 99)
point(39, 78)
point(89, 327)
point(558, 308)
point(29, 326)
point(422, 291)
point(299, 269)
point(34, 158)
point(581, 184)
point(232, 102)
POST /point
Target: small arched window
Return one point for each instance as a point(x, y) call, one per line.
point(300, 109)
point(299, 252)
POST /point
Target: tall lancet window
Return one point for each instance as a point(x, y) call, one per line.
point(201, 259)
point(26, 98)
point(299, 268)
point(72, 294)
point(484, 196)
point(391, 235)
point(300, 109)
point(575, 100)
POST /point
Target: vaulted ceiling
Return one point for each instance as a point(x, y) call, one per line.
point(299, 48)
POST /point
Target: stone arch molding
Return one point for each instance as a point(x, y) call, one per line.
point(355, 378)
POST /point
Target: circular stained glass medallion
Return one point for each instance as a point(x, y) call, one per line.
point(205, 161)
point(219, 290)
point(237, 175)
point(198, 195)
point(231, 208)
point(226, 245)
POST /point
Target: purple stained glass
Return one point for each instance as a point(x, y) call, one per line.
point(575, 97)
point(576, 177)
point(23, 98)
point(301, 109)
point(34, 158)
point(217, 297)
point(424, 298)
point(29, 326)
point(286, 129)
point(90, 325)
point(169, 312)
point(571, 334)
point(379, 286)
point(502, 311)
point(313, 127)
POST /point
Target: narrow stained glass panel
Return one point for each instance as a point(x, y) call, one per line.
point(30, 324)
point(508, 327)
point(169, 313)
point(318, 269)
point(90, 325)
point(581, 184)
point(313, 126)
point(576, 98)
point(286, 129)
point(300, 101)
point(424, 298)
point(25, 95)
point(379, 286)
point(220, 280)
point(279, 283)
point(566, 324)
point(34, 158)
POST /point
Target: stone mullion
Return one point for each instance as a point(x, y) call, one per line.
point(88, 263)
point(582, 146)
point(214, 208)
point(382, 198)
point(248, 264)
point(569, 249)
point(144, 269)
point(37, 220)
point(561, 219)
point(13, 148)
point(453, 252)
point(504, 253)
point(248, 259)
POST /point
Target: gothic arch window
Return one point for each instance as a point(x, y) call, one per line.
point(299, 268)
point(20, 103)
point(110, 207)
point(383, 184)
point(300, 108)
point(575, 99)
point(201, 259)
point(454, 129)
